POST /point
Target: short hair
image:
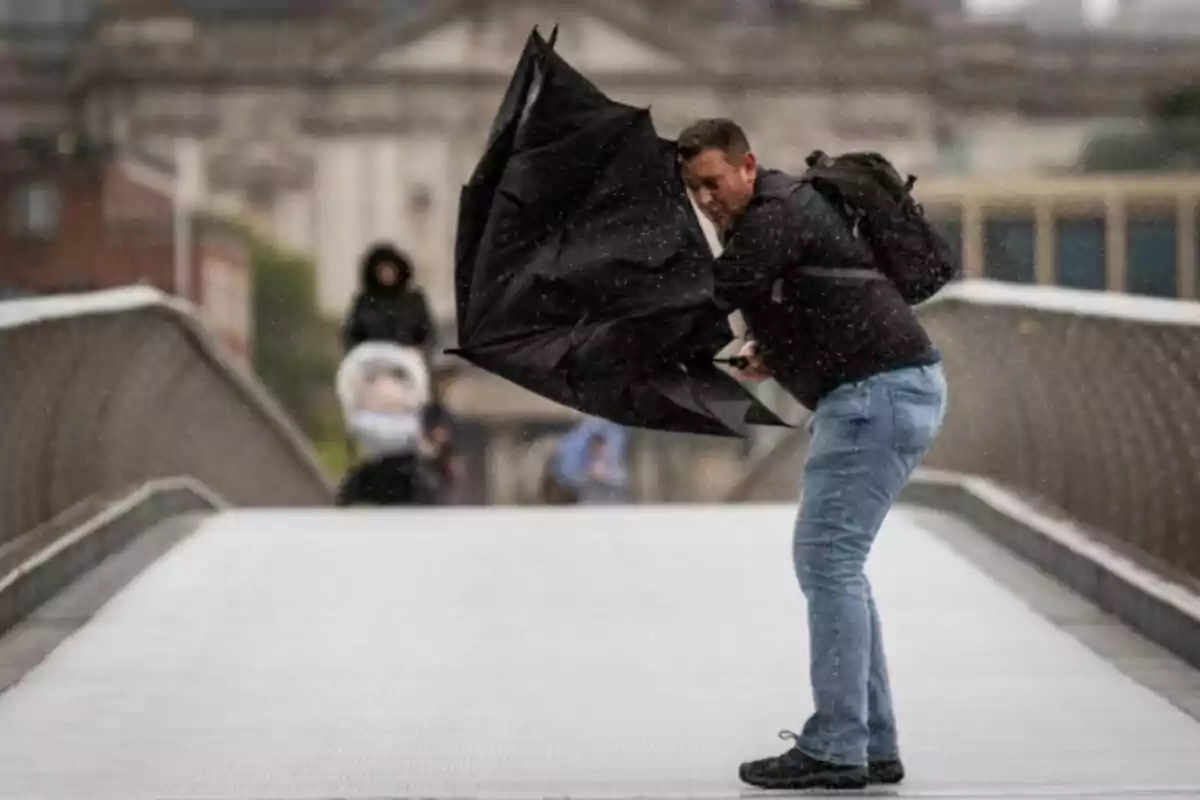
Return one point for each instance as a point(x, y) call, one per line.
point(716, 133)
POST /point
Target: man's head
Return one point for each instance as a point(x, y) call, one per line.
point(718, 167)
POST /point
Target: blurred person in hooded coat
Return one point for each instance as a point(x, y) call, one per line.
point(388, 307)
point(588, 465)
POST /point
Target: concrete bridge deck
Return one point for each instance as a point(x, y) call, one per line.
point(534, 653)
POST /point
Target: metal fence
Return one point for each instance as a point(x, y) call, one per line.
point(99, 393)
point(1088, 403)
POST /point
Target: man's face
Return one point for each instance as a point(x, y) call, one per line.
point(722, 184)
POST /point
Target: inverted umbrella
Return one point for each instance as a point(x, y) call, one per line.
point(581, 270)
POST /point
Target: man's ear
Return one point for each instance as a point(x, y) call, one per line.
point(750, 163)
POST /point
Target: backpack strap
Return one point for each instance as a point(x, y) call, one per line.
point(843, 272)
point(829, 273)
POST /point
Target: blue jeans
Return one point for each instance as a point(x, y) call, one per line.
point(867, 438)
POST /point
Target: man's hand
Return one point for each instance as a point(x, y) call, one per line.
point(755, 369)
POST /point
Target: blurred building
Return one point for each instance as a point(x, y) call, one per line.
point(1157, 18)
point(82, 218)
point(331, 123)
point(337, 122)
point(1136, 234)
point(1058, 16)
point(937, 6)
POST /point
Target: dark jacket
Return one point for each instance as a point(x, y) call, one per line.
point(813, 333)
point(400, 480)
point(397, 313)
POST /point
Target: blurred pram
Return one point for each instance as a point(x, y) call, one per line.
point(383, 389)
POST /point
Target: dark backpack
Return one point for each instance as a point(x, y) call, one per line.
point(879, 205)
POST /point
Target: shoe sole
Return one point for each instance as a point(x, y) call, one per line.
point(825, 781)
point(885, 780)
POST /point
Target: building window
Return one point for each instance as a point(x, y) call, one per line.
point(33, 210)
point(420, 200)
point(225, 303)
point(952, 231)
point(14, 293)
point(1152, 257)
point(1079, 255)
point(1009, 250)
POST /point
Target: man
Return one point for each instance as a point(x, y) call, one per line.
point(846, 345)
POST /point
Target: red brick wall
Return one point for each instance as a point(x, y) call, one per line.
point(128, 200)
point(85, 251)
point(115, 231)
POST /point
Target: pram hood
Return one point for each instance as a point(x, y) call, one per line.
point(370, 359)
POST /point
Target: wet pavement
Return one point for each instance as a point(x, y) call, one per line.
point(616, 653)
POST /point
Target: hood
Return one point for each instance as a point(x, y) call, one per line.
point(380, 254)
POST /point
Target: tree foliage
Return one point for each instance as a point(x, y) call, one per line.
point(295, 352)
point(1168, 141)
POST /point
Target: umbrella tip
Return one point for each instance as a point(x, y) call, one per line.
point(553, 37)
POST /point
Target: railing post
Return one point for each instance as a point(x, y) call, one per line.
point(1186, 231)
point(972, 224)
point(1116, 255)
point(1043, 263)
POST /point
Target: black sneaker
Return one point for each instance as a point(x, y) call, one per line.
point(890, 771)
point(795, 770)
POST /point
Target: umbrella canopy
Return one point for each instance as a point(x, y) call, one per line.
point(582, 272)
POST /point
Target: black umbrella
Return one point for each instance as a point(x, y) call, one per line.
point(582, 273)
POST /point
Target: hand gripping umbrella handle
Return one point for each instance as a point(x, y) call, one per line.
point(737, 362)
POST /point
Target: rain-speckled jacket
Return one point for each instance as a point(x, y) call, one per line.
point(814, 333)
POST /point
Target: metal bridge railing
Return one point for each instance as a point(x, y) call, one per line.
point(1085, 402)
point(103, 392)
